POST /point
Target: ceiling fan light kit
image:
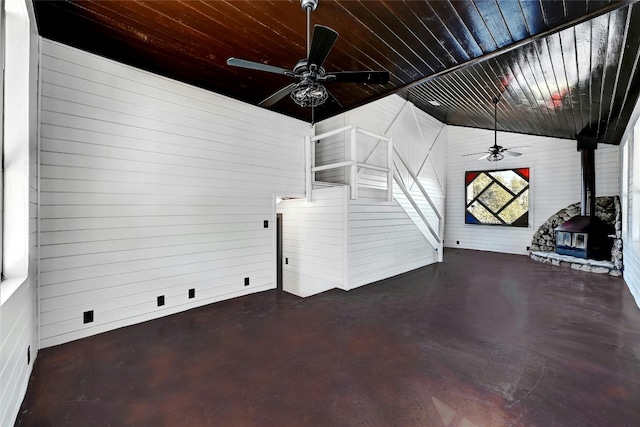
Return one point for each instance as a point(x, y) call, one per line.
point(310, 92)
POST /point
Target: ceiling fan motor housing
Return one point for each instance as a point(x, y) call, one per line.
point(311, 4)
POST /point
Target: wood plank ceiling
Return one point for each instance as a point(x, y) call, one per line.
point(562, 67)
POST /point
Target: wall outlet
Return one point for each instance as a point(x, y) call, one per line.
point(286, 260)
point(246, 281)
point(457, 242)
point(528, 247)
point(87, 316)
point(266, 223)
point(160, 300)
point(192, 293)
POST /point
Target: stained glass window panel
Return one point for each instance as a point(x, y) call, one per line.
point(498, 197)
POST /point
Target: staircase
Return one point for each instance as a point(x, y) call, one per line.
point(369, 173)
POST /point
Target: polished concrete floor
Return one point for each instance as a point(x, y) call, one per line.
point(482, 339)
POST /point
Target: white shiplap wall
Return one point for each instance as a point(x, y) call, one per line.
point(314, 242)
point(383, 240)
point(555, 183)
point(151, 187)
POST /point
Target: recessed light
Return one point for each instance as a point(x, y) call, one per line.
point(434, 103)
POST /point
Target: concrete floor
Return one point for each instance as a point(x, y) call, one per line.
point(482, 339)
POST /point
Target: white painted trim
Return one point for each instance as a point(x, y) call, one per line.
point(345, 195)
point(331, 133)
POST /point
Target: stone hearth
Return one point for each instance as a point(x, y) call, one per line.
point(543, 244)
point(590, 265)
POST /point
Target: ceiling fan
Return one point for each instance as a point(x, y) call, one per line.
point(309, 91)
point(496, 152)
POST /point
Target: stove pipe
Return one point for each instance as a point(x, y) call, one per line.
point(587, 147)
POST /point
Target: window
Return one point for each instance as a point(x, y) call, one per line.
point(498, 197)
point(19, 141)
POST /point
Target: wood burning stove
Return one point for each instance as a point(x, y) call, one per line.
point(585, 235)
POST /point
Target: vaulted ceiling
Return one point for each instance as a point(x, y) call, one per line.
point(562, 67)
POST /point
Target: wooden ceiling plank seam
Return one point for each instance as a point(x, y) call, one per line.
point(264, 56)
point(263, 53)
point(128, 39)
point(502, 90)
point(475, 5)
point(592, 75)
point(555, 12)
point(569, 87)
point(534, 21)
point(383, 41)
point(524, 19)
point(575, 8)
point(620, 51)
point(488, 10)
point(603, 78)
point(442, 86)
point(605, 94)
point(400, 39)
point(546, 96)
point(544, 14)
point(559, 86)
point(437, 41)
point(473, 93)
point(134, 30)
point(460, 49)
point(569, 54)
point(475, 24)
point(583, 79)
point(424, 45)
point(385, 55)
point(633, 75)
point(466, 39)
point(513, 22)
point(504, 106)
point(511, 89)
point(465, 103)
point(461, 104)
point(593, 4)
point(538, 90)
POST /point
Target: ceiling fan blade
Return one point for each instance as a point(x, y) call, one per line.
point(485, 156)
point(243, 63)
point(268, 102)
point(372, 77)
point(521, 147)
point(321, 43)
point(475, 154)
point(512, 153)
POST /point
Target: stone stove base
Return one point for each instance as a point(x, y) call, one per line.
point(590, 265)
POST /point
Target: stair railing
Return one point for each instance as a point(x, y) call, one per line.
point(352, 163)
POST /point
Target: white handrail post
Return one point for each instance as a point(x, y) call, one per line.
point(354, 164)
point(312, 148)
point(390, 173)
point(308, 174)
